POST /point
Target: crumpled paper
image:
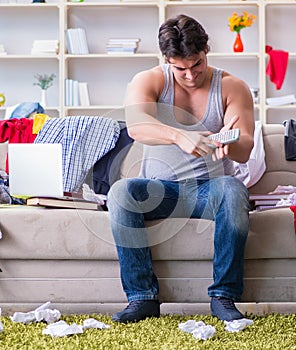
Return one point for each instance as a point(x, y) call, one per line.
point(42, 313)
point(92, 323)
point(290, 200)
point(202, 331)
point(90, 195)
point(62, 328)
point(237, 325)
point(198, 329)
point(55, 327)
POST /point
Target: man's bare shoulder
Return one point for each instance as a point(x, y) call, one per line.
point(233, 84)
point(229, 79)
point(147, 84)
point(154, 73)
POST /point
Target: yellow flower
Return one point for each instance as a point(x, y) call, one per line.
point(236, 22)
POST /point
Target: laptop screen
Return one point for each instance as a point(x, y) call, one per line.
point(35, 170)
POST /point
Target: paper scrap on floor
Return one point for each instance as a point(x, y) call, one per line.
point(55, 327)
point(41, 313)
point(202, 331)
point(62, 328)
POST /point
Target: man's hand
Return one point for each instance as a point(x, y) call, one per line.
point(222, 150)
point(196, 143)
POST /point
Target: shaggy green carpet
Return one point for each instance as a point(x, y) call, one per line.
point(270, 332)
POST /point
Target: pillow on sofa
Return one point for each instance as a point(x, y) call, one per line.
point(251, 171)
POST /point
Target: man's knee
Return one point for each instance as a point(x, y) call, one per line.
point(117, 193)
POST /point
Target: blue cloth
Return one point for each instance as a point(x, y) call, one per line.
point(84, 139)
point(25, 109)
point(107, 169)
point(132, 201)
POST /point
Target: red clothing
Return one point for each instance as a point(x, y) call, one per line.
point(293, 208)
point(16, 131)
point(277, 65)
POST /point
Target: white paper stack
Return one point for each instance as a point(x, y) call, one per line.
point(122, 46)
point(45, 47)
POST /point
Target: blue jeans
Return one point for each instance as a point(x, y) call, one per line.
point(133, 201)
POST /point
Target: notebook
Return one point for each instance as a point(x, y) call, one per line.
point(35, 169)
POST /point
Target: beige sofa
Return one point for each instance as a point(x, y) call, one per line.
point(68, 257)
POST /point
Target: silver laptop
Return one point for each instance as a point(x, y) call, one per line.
point(35, 169)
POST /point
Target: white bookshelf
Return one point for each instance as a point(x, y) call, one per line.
point(22, 22)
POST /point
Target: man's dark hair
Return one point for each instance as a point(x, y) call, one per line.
point(182, 36)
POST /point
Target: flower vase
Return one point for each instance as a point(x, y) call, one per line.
point(238, 45)
point(43, 98)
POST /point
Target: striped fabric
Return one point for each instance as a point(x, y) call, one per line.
point(85, 139)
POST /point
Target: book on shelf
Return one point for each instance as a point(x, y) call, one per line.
point(122, 45)
point(281, 100)
point(123, 40)
point(83, 94)
point(45, 47)
point(69, 92)
point(120, 50)
point(76, 41)
point(76, 101)
point(76, 93)
point(70, 202)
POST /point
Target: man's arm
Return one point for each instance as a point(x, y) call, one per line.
point(239, 113)
point(140, 111)
point(141, 108)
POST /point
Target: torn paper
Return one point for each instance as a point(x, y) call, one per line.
point(41, 313)
point(62, 328)
point(198, 329)
point(92, 323)
point(237, 325)
point(90, 195)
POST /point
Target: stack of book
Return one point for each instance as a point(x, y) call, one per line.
point(76, 41)
point(45, 47)
point(281, 100)
point(2, 50)
point(76, 93)
point(122, 46)
point(63, 202)
point(267, 201)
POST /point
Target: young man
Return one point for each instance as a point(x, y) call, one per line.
point(172, 109)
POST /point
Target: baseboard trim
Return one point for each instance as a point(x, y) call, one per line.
point(166, 308)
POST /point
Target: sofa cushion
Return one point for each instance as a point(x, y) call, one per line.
point(278, 171)
point(69, 234)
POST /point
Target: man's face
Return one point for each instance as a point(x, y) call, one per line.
point(190, 72)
